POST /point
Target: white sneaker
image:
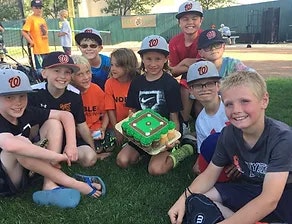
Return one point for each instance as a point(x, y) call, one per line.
point(186, 129)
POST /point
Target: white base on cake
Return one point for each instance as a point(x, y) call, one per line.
point(151, 151)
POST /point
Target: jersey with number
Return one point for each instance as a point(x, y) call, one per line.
point(161, 95)
point(100, 74)
point(70, 100)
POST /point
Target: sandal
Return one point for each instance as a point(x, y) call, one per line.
point(92, 179)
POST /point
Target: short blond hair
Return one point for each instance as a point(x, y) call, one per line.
point(63, 13)
point(81, 60)
point(251, 79)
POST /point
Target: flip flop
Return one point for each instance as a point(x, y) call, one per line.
point(92, 179)
point(59, 196)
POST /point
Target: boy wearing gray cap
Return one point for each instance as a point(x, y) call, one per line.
point(18, 155)
point(89, 42)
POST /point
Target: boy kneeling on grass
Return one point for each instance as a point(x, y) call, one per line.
point(18, 155)
point(259, 147)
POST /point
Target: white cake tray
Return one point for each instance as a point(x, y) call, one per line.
point(150, 151)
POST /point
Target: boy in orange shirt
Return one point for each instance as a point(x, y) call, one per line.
point(93, 99)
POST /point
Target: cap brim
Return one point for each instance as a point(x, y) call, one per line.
point(74, 68)
point(213, 42)
point(80, 36)
point(179, 15)
point(194, 80)
point(16, 92)
point(149, 50)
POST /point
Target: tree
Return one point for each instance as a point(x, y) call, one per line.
point(207, 4)
point(124, 7)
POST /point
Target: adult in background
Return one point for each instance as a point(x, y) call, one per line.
point(35, 31)
point(183, 50)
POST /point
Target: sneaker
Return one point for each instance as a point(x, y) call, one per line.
point(180, 153)
point(109, 142)
point(186, 129)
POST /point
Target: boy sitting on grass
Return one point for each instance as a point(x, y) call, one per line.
point(58, 94)
point(18, 155)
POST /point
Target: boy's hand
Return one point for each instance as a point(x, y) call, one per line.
point(232, 172)
point(177, 211)
point(72, 152)
point(60, 158)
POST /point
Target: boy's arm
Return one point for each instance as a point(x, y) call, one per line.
point(183, 66)
point(68, 122)
point(265, 203)
point(174, 117)
point(26, 35)
point(84, 131)
point(22, 146)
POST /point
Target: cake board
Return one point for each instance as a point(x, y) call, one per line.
point(149, 150)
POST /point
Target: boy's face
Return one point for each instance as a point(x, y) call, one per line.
point(117, 71)
point(13, 106)
point(213, 52)
point(205, 90)
point(82, 79)
point(190, 23)
point(89, 48)
point(243, 109)
point(57, 77)
point(37, 10)
point(154, 62)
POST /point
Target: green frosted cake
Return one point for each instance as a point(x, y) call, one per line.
point(148, 129)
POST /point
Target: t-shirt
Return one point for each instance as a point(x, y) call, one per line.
point(66, 40)
point(161, 95)
point(178, 51)
point(38, 30)
point(93, 103)
point(209, 124)
point(230, 65)
point(70, 100)
point(31, 116)
point(116, 96)
point(100, 74)
point(271, 153)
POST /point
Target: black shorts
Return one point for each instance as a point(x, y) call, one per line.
point(7, 188)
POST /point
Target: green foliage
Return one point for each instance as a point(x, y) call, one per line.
point(125, 7)
point(9, 10)
point(208, 4)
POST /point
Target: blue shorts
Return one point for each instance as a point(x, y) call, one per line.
point(236, 195)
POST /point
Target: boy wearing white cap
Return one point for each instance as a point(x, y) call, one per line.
point(157, 90)
point(18, 154)
point(89, 42)
point(183, 50)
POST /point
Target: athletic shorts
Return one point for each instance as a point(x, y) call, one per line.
point(236, 195)
point(7, 188)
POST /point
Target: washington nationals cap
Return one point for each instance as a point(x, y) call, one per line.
point(209, 37)
point(59, 58)
point(202, 70)
point(13, 81)
point(189, 7)
point(36, 3)
point(88, 33)
point(154, 43)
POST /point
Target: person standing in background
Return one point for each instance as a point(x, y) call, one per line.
point(35, 31)
point(65, 33)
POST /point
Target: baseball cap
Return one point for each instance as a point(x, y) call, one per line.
point(154, 43)
point(13, 81)
point(88, 33)
point(59, 58)
point(208, 37)
point(202, 70)
point(189, 6)
point(36, 3)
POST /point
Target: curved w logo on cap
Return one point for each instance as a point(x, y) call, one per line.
point(88, 31)
point(63, 58)
point(14, 81)
point(211, 34)
point(153, 42)
point(188, 6)
point(203, 70)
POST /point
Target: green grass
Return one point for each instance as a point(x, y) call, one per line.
point(133, 195)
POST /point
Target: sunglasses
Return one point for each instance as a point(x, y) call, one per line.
point(88, 45)
point(215, 46)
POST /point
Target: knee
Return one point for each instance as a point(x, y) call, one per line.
point(156, 170)
point(122, 162)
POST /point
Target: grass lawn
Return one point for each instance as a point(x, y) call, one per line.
point(133, 195)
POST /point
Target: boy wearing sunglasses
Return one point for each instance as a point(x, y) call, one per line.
point(89, 42)
point(211, 47)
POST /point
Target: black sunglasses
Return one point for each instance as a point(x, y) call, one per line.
point(88, 45)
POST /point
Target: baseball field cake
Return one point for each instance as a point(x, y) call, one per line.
point(149, 129)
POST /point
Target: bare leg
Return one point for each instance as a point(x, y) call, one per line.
point(160, 164)
point(127, 156)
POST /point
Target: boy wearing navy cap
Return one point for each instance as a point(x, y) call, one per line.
point(18, 154)
point(89, 42)
point(58, 94)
